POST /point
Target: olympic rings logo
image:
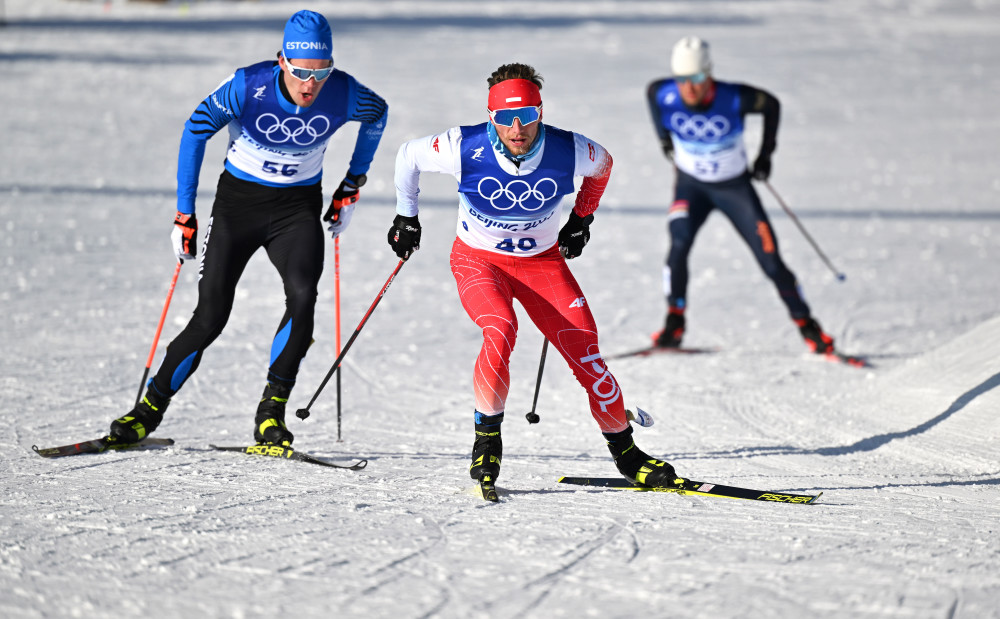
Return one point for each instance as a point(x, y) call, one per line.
point(699, 127)
point(292, 128)
point(518, 193)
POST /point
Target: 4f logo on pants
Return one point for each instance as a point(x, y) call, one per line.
point(605, 388)
point(578, 302)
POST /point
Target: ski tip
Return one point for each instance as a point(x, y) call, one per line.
point(851, 360)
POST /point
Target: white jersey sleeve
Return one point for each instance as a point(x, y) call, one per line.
point(591, 157)
point(434, 153)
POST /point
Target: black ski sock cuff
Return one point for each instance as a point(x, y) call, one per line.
point(488, 420)
point(162, 393)
point(276, 380)
point(625, 436)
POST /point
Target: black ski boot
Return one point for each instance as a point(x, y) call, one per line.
point(269, 425)
point(488, 448)
point(142, 420)
point(817, 341)
point(638, 467)
point(673, 329)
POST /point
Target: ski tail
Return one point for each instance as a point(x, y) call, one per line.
point(99, 445)
point(279, 451)
point(488, 488)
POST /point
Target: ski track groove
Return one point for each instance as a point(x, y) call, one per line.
point(579, 555)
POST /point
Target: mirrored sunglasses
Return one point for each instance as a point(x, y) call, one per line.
point(304, 74)
point(697, 78)
point(505, 118)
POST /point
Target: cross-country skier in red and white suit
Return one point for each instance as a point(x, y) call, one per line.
point(513, 172)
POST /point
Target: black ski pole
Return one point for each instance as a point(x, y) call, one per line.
point(533, 417)
point(336, 288)
point(302, 413)
point(840, 276)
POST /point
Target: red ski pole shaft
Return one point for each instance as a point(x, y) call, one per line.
point(159, 329)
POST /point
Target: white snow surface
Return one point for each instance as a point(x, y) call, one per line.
point(887, 153)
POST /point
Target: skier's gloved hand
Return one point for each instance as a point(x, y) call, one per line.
point(404, 236)
point(667, 144)
point(185, 236)
point(762, 167)
point(338, 218)
point(342, 206)
point(574, 235)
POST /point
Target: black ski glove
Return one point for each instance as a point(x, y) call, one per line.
point(762, 167)
point(667, 144)
point(404, 236)
point(574, 235)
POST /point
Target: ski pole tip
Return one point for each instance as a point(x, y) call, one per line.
point(841, 277)
point(532, 417)
point(302, 413)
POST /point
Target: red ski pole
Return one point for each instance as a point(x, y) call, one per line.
point(159, 328)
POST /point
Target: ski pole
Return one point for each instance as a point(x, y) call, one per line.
point(336, 295)
point(840, 276)
point(533, 417)
point(302, 413)
point(159, 328)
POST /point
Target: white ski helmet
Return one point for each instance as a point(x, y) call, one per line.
point(690, 56)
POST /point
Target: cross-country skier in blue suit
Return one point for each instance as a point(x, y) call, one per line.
point(699, 121)
point(281, 115)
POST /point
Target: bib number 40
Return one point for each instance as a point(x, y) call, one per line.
point(524, 244)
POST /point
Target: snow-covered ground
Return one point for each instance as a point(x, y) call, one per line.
point(887, 152)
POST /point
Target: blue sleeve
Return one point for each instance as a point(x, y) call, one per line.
point(372, 112)
point(211, 115)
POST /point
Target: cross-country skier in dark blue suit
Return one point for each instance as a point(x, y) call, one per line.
point(281, 115)
point(700, 125)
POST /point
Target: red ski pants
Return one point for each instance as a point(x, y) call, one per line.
point(489, 282)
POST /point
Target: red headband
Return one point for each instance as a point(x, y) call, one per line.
point(514, 93)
